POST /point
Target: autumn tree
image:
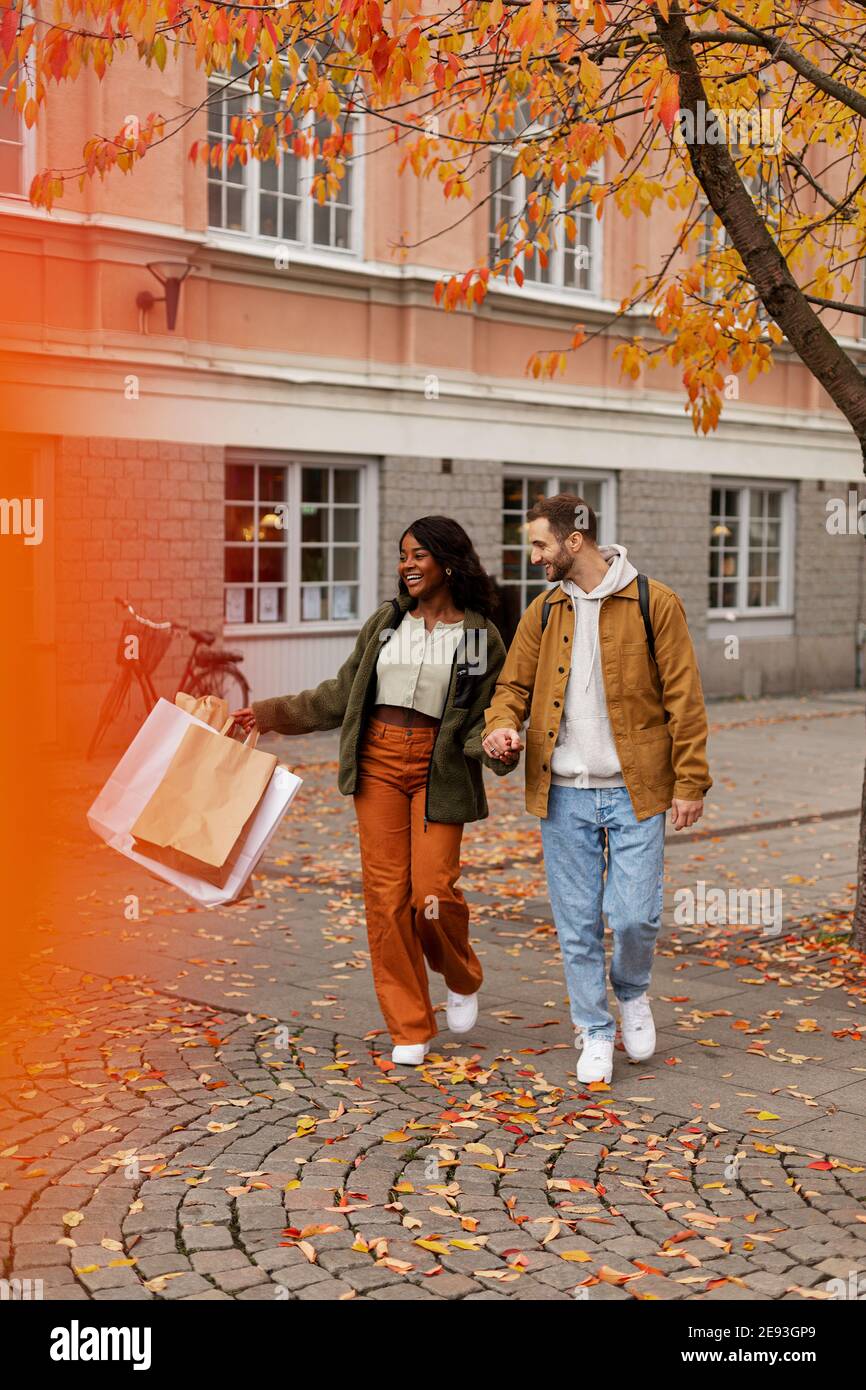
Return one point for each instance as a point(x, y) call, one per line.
point(741, 118)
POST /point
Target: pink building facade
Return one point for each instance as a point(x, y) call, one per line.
point(252, 469)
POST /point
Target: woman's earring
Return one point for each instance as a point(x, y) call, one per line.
point(447, 571)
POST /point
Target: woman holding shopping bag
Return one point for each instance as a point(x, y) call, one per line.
point(410, 701)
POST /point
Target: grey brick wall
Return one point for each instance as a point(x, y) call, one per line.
point(413, 487)
point(663, 519)
point(143, 521)
point(829, 587)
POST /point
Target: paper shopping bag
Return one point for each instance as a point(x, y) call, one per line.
point(210, 709)
point(197, 815)
point(139, 773)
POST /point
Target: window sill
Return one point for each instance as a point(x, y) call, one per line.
point(778, 623)
point(332, 629)
point(266, 249)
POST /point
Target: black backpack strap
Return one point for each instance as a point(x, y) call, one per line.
point(643, 599)
point(545, 614)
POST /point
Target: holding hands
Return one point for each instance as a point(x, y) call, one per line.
point(502, 744)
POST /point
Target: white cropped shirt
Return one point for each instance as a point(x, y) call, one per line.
point(414, 665)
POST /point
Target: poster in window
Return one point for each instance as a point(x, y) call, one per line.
point(269, 605)
point(236, 605)
point(311, 604)
point(343, 607)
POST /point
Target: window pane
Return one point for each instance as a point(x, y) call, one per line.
point(234, 210)
point(239, 523)
point(239, 605)
point(342, 229)
point(314, 524)
point(272, 524)
point(314, 603)
point(512, 531)
point(345, 563)
point(313, 563)
point(345, 485)
point(272, 484)
point(322, 224)
point(512, 493)
point(272, 564)
point(272, 604)
point(238, 563)
point(240, 481)
point(511, 564)
point(314, 485)
point(345, 601)
point(345, 521)
point(268, 215)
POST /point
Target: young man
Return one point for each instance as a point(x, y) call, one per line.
point(615, 737)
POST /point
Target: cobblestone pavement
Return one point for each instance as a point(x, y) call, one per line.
point(201, 1105)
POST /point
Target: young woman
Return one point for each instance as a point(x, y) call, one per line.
point(411, 701)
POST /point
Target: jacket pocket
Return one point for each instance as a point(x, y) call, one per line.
point(635, 664)
point(653, 752)
point(538, 752)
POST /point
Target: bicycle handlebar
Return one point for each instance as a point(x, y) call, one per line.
point(149, 622)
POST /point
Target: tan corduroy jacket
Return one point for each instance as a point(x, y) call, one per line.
point(656, 712)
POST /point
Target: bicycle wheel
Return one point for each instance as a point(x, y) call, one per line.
point(227, 681)
point(109, 709)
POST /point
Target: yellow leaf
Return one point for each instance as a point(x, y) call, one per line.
point(436, 1246)
point(577, 1255)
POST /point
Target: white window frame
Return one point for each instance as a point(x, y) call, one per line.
point(303, 246)
point(555, 229)
point(28, 146)
point(554, 479)
point(368, 546)
point(785, 607)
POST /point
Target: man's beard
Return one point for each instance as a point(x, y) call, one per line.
point(560, 565)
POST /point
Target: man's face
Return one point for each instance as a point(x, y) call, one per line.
point(546, 550)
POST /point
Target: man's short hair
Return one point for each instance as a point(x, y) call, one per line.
point(566, 513)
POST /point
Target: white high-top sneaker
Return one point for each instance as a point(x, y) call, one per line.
point(596, 1060)
point(461, 1010)
point(409, 1054)
point(638, 1028)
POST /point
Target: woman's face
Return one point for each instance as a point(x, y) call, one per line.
point(421, 574)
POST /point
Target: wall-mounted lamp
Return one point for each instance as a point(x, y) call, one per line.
point(171, 275)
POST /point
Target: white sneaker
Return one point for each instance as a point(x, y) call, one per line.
point(596, 1060)
point(461, 1011)
point(638, 1028)
point(409, 1054)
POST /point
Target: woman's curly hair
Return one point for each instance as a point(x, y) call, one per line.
point(470, 584)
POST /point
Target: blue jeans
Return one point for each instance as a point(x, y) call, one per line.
point(573, 839)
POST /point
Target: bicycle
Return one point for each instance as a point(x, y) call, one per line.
point(142, 645)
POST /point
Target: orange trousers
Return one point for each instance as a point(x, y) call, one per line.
point(414, 909)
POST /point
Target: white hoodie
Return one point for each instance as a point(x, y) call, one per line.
point(585, 754)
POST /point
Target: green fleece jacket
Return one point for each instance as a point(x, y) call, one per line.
point(455, 787)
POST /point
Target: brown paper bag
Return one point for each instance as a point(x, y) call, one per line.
point(210, 709)
point(197, 816)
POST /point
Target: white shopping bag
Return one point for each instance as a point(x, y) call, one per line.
point(135, 779)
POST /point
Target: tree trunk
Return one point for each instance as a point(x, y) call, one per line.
point(768, 270)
